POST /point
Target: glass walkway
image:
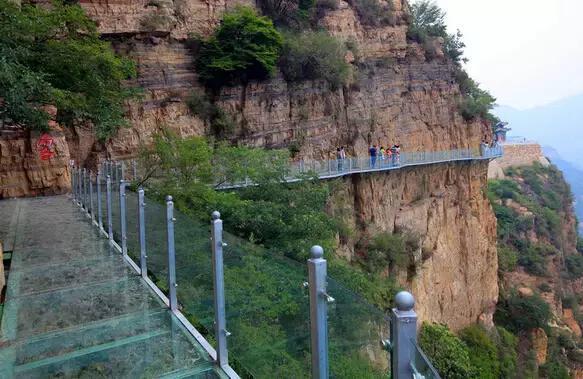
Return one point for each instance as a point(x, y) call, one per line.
point(74, 309)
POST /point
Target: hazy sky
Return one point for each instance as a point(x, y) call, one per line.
point(525, 52)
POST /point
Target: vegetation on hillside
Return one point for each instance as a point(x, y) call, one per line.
point(244, 47)
point(534, 209)
point(427, 24)
point(55, 56)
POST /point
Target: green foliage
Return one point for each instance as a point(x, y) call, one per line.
point(428, 20)
point(574, 264)
point(375, 289)
point(507, 344)
point(222, 125)
point(286, 217)
point(533, 258)
point(386, 250)
point(54, 56)
point(507, 259)
point(483, 352)
point(555, 370)
point(244, 47)
point(313, 56)
point(448, 353)
point(521, 314)
point(374, 12)
point(580, 245)
point(476, 102)
point(545, 287)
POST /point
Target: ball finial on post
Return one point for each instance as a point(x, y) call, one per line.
point(405, 301)
point(215, 215)
point(316, 252)
point(168, 198)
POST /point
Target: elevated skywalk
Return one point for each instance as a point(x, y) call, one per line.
point(74, 308)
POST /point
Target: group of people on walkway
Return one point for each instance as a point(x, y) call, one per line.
point(381, 154)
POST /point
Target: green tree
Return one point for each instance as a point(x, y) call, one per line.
point(55, 56)
point(244, 47)
point(482, 351)
point(448, 353)
point(507, 344)
point(314, 55)
point(522, 314)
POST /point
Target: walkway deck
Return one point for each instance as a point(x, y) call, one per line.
point(75, 309)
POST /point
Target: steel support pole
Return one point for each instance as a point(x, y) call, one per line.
point(403, 335)
point(122, 170)
point(79, 172)
point(99, 208)
point(221, 332)
point(73, 184)
point(318, 313)
point(171, 254)
point(91, 208)
point(109, 216)
point(123, 218)
point(142, 231)
point(135, 170)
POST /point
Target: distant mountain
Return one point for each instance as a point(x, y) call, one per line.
point(574, 177)
point(558, 125)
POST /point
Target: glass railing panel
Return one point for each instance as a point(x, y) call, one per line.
point(355, 331)
point(132, 230)
point(421, 365)
point(267, 311)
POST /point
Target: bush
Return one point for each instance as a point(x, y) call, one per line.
point(507, 344)
point(483, 352)
point(520, 314)
point(156, 22)
point(244, 47)
point(221, 123)
point(314, 56)
point(448, 353)
point(386, 250)
point(507, 259)
point(533, 260)
point(545, 287)
point(55, 56)
point(574, 264)
point(580, 245)
point(375, 12)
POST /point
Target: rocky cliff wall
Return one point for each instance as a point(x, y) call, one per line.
point(396, 96)
point(455, 279)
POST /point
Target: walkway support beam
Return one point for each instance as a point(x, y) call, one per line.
point(403, 335)
point(91, 208)
point(221, 332)
point(317, 273)
point(170, 220)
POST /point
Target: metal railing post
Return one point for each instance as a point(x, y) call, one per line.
point(221, 332)
point(91, 208)
point(122, 217)
point(84, 189)
point(109, 216)
point(403, 335)
point(318, 313)
point(142, 232)
point(73, 183)
point(171, 254)
point(99, 209)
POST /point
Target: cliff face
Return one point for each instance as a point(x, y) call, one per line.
point(455, 276)
point(397, 95)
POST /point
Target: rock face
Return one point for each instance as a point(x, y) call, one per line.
point(540, 345)
point(23, 172)
point(455, 282)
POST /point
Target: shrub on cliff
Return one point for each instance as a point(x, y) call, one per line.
point(244, 47)
point(574, 264)
point(448, 353)
point(522, 314)
point(374, 12)
point(507, 259)
point(507, 344)
point(313, 56)
point(54, 55)
point(580, 245)
point(482, 351)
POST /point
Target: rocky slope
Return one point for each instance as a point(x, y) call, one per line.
point(539, 258)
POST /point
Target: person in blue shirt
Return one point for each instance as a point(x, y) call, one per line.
point(373, 155)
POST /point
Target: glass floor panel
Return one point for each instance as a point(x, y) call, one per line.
point(74, 308)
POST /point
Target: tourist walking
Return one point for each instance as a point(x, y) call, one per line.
point(373, 156)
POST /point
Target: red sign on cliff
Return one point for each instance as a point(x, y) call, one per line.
point(46, 147)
